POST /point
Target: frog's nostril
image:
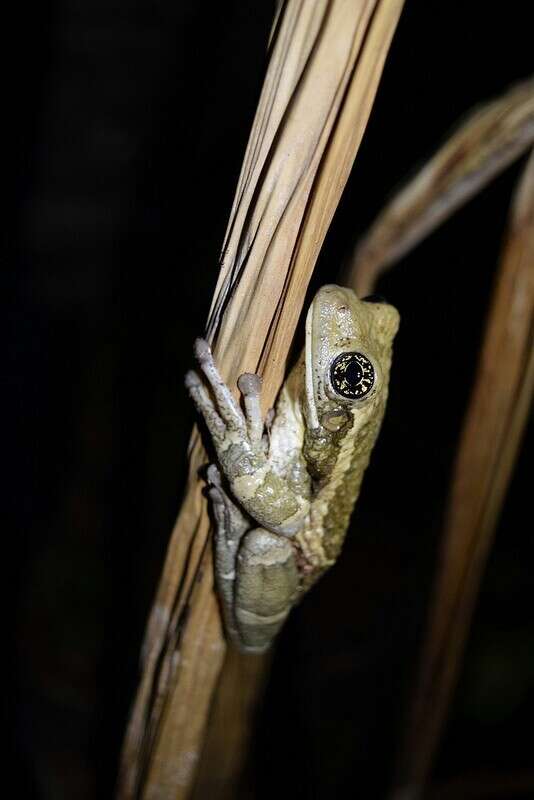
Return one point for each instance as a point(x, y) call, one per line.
point(374, 298)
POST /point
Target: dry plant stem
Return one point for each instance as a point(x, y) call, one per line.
point(230, 726)
point(490, 440)
point(490, 139)
point(326, 59)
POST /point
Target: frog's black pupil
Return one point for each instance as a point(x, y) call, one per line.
point(352, 375)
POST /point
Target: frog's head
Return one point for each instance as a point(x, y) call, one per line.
point(348, 357)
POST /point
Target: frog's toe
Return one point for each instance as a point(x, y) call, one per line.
point(250, 387)
point(204, 404)
point(226, 404)
point(213, 475)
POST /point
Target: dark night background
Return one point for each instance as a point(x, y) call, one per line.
point(127, 123)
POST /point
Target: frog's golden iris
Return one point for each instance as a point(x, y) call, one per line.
point(352, 375)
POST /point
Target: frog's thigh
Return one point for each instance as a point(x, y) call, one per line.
point(266, 586)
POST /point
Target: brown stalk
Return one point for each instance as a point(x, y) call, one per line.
point(491, 436)
point(326, 58)
point(490, 139)
point(222, 767)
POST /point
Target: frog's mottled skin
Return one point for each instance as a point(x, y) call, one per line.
point(284, 500)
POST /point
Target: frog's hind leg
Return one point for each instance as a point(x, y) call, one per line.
point(267, 585)
point(230, 526)
point(256, 572)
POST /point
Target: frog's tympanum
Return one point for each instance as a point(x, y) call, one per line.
point(283, 492)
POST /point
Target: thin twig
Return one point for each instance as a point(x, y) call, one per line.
point(487, 142)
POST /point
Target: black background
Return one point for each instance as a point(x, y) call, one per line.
point(126, 124)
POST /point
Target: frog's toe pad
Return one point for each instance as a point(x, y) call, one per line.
point(192, 379)
point(213, 475)
point(202, 349)
point(249, 384)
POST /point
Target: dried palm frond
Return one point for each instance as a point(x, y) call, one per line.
point(326, 58)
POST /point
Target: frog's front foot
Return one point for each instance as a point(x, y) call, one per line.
point(243, 453)
point(224, 418)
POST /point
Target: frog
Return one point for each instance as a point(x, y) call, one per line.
point(283, 488)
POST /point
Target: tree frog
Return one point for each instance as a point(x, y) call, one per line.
point(283, 489)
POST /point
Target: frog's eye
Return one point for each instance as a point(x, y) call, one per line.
point(352, 375)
